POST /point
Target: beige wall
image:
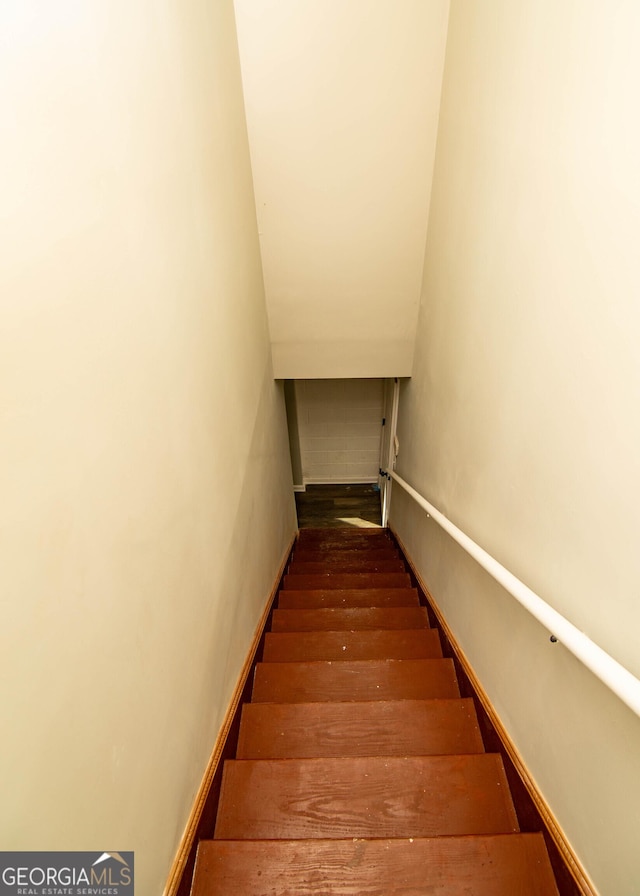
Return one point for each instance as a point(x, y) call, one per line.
point(339, 423)
point(521, 421)
point(144, 471)
point(342, 108)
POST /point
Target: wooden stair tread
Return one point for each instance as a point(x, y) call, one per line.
point(415, 796)
point(346, 555)
point(342, 536)
point(359, 770)
point(354, 680)
point(413, 644)
point(347, 597)
point(333, 555)
point(495, 865)
point(383, 728)
point(347, 580)
point(373, 542)
point(349, 618)
point(321, 567)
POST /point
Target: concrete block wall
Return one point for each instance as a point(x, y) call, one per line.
point(340, 424)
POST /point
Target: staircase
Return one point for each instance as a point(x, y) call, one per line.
point(360, 770)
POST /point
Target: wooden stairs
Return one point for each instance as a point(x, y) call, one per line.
point(360, 771)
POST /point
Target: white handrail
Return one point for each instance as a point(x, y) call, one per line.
point(618, 679)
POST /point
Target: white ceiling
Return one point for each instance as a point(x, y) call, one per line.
point(342, 100)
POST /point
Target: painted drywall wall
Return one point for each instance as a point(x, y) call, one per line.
point(342, 106)
point(521, 420)
point(144, 470)
point(340, 424)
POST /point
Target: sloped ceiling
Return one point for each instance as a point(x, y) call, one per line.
point(342, 100)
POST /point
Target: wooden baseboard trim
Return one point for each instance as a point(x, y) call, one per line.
point(584, 886)
point(184, 860)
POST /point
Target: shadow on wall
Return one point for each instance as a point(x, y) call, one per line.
point(253, 532)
